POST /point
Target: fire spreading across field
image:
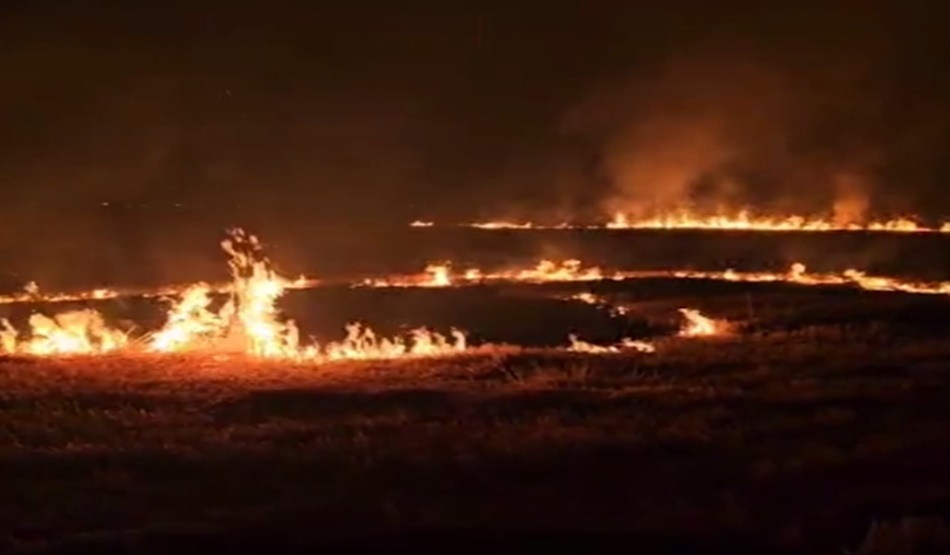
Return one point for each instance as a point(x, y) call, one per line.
point(249, 322)
point(548, 271)
point(742, 220)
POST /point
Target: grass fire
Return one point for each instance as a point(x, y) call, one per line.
point(754, 388)
point(648, 277)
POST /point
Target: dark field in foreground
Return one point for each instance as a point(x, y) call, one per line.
point(792, 435)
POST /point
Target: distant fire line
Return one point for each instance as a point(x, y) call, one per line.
point(740, 222)
point(32, 294)
point(545, 271)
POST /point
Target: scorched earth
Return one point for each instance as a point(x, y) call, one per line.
point(781, 411)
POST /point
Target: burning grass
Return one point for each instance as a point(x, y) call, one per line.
point(789, 434)
point(771, 410)
point(745, 220)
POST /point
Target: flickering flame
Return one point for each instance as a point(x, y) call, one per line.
point(434, 275)
point(598, 301)
point(439, 275)
point(741, 220)
point(362, 343)
point(67, 333)
point(190, 321)
point(31, 293)
point(256, 290)
point(251, 321)
point(574, 271)
point(798, 274)
point(699, 325)
point(744, 220)
point(247, 322)
point(502, 225)
point(548, 271)
point(626, 344)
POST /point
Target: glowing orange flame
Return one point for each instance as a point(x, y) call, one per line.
point(362, 343)
point(574, 271)
point(68, 333)
point(596, 300)
point(502, 225)
point(190, 321)
point(251, 318)
point(626, 344)
point(741, 220)
point(247, 322)
point(699, 325)
point(438, 275)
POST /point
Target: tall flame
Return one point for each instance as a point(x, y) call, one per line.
point(251, 322)
point(699, 325)
point(247, 322)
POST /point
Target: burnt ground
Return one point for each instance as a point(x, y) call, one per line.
point(824, 411)
point(184, 253)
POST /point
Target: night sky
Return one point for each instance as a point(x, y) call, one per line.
point(354, 115)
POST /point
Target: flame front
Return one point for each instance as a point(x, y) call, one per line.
point(247, 322)
point(740, 220)
point(190, 322)
point(250, 321)
point(362, 343)
point(744, 220)
point(698, 325)
point(439, 275)
point(67, 333)
point(626, 344)
point(547, 271)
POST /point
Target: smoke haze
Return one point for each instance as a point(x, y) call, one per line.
point(132, 136)
point(722, 128)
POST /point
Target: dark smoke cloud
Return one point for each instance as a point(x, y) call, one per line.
point(723, 130)
point(816, 118)
point(319, 129)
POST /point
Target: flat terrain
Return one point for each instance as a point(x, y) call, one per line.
point(181, 254)
point(825, 409)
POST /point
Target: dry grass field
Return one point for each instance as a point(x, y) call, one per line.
point(821, 413)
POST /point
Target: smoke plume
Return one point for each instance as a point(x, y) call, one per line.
point(716, 129)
